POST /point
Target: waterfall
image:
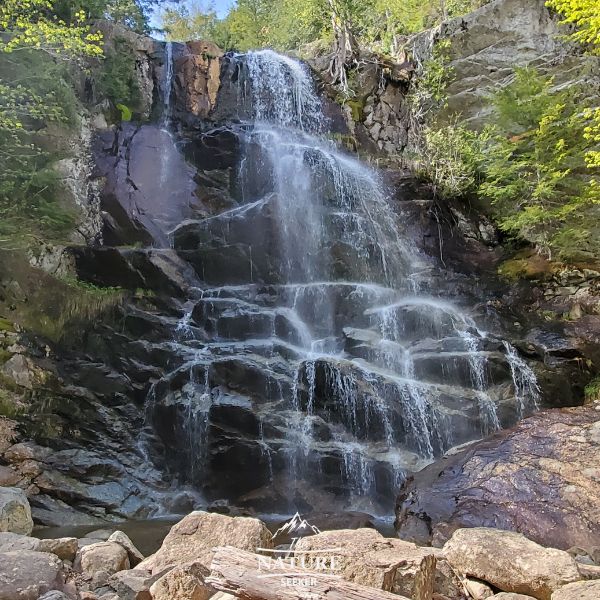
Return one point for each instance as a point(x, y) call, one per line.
point(168, 84)
point(317, 340)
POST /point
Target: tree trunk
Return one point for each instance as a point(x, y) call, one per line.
point(237, 572)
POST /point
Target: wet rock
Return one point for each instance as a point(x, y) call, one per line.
point(510, 562)
point(580, 590)
point(195, 536)
point(15, 512)
point(27, 575)
point(134, 190)
point(135, 556)
point(108, 557)
point(183, 583)
point(497, 483)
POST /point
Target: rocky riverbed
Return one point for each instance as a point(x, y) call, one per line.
point(212, 556)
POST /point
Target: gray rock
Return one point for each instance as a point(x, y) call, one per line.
point(54, 595)
point(27, 575)
point(132, 585)
point(15, 512)
point(9, 542)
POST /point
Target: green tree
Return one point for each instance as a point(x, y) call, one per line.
point(35, 46)
point(193, 22)
point(535, 170)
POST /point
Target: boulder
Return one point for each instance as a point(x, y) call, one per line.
point(195, 536)
point(109, 557)
point(478, 590)
point(65, 548)
point(365, 557)
point(10, 542)
point(510, 562)
point(54, 595)
point(537, 478)
point(580, 590)
point(15, 512)
point(183, 583)
point(8, 476)
point(135, 556)
point(27, 575)
point(132, 585)
point(510, 596)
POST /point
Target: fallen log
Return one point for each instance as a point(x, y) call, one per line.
point(255, 577)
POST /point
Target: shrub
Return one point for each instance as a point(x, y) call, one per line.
point(450, 158)
point(535, 172)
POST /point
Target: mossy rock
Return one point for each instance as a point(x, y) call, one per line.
point(357, 108)
point(527, 265)
point(6, 325)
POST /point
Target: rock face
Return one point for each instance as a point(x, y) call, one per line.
point(195, 537)
point(510, 562)
point(538, 479)
point(15, 512)
point(27, 575)
point(197, 71)
point(148, 187)
point(486, 46)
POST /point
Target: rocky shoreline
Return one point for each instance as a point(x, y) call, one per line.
point(212, 556)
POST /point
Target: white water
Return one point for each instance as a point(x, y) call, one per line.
point(333, 315)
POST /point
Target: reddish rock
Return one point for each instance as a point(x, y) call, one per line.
point(539, 478)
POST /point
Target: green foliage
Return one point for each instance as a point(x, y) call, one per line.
point(289, 24)
point(535, 173)
point(450, 157)
point(585, 15)
point(193, 21)
point(117, 79)
point(34, 91)
point(592, 390)
point(36, 49)
point(429, 91)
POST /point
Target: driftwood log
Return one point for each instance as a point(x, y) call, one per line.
point(237, 572)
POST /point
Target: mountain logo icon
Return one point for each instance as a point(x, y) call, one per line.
point(296, 527)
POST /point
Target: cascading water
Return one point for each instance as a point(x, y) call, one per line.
point(168, 84)
point(311, 356)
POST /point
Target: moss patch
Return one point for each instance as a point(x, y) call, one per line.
point(527, 264)
point(6, 325)
point(592, 390)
